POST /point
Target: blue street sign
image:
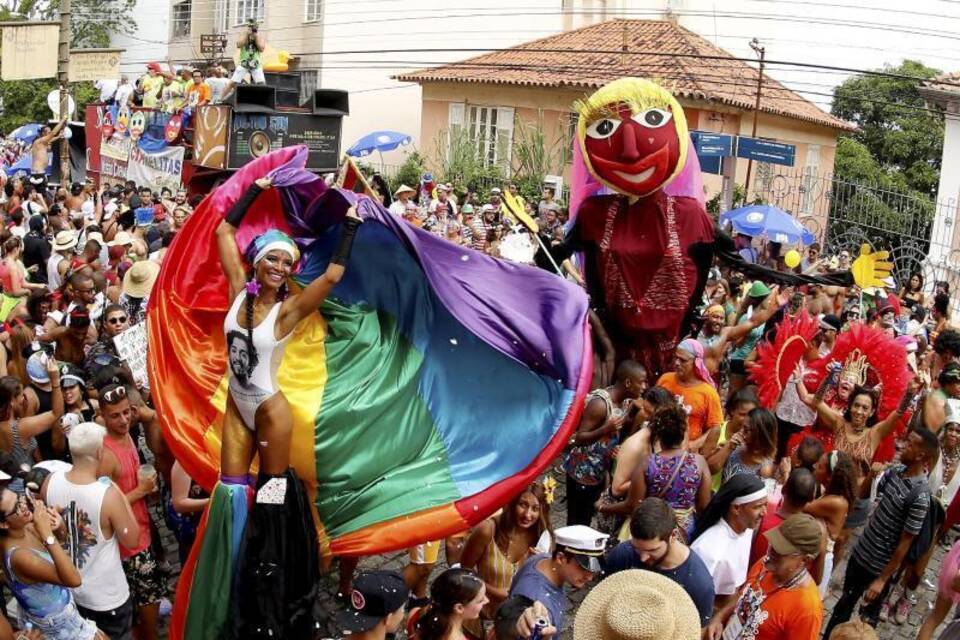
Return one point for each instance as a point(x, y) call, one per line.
point(766, 151)
point(709, 164)
point(712, 145)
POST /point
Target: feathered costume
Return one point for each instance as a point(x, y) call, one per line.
point(434, 384)
point(648, 248)
point(867, 357)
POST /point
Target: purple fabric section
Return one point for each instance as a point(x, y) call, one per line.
point(526, 313)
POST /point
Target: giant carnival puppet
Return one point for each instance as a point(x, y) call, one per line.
point(346, 384)
point(648, 248)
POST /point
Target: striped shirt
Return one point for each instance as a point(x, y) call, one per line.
point(894, 514)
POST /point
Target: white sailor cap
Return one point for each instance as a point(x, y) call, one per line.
point(583, 543)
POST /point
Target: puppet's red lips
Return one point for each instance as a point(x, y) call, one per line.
point(633, 170)
point(636, 178)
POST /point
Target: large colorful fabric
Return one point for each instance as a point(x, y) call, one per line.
point(435, 383)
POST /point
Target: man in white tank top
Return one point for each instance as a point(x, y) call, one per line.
point(97, 517)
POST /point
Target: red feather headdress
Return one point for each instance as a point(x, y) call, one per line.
point(777, 360)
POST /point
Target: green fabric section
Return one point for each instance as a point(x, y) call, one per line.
point(371, 416)
point(210, 591)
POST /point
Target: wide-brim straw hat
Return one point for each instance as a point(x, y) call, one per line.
point(139, 279)
point(637, 605)
point(403, 189)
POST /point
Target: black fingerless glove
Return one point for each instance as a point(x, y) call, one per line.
point(341, 254)
point(241, 206)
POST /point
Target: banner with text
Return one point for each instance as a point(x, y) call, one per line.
point(132, 349)
point(155, 170)
point(29, 51)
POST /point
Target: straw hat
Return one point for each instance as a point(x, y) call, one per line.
point(403, 189)
point(139, 279)
point(637, 605)
point(121, 239)
point(64, 240)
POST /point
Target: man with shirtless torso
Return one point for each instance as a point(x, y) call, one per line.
point(40, 151)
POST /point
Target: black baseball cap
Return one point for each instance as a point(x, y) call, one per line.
point(375, 596)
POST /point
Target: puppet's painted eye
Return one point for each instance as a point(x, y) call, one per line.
point(603, 128)
point(653, 118)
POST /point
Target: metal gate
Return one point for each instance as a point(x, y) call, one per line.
point(921, 235)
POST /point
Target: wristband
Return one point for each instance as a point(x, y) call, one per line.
point(240, 207)
point(342, 251)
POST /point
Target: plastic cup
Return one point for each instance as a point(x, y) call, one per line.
point(147, 471)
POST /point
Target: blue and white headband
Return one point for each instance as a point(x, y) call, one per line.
point(274, 240)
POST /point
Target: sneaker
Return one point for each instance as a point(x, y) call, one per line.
point(884, 611)
point(903, 610)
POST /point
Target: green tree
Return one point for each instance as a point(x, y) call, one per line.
point(25, 101)
point(92, 21)
point(904, 140)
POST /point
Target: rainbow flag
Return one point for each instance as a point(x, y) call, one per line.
point(432, 386)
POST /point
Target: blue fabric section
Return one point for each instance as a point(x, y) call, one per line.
point(493, 414)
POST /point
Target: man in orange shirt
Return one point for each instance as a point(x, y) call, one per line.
point(198, 93)
point(780, 598)
point(693, 385)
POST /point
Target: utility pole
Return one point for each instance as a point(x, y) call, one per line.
point(63, 64)
point(760, 51)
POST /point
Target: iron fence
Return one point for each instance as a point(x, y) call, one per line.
point(921, 234)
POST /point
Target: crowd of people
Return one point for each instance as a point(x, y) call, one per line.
point(85, 476)
point(722, 516)
point(173, 89)
point(685, 473)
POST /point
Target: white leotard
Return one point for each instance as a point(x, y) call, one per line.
point(262, 381)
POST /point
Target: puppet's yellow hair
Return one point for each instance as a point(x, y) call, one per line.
point(639, 95)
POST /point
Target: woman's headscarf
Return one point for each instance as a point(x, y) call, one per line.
point(739, 489)
point(695, 349)
point(272, 240)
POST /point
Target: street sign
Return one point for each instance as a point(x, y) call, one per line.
point(712, 145)
point(766, 151)
point(709, 164)
point(212, 43)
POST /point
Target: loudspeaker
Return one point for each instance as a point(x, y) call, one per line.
point(253, 98)
point(283, 81)
point(329, 102)
point(288, 98)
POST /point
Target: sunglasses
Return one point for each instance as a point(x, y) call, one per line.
point(115, 395)
point(21, 500)
point(116, 320)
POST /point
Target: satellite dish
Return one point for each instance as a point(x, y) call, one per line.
point(53, 101)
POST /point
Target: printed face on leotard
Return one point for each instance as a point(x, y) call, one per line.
point(239, 356)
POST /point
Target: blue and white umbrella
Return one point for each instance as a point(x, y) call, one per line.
point(378, 141)
point(26, 133)
point(767, 220)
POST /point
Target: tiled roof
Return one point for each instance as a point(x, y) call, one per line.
point(590, 57)
point(949, 82)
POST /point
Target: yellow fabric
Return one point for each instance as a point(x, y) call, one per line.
point(514, 206)
point(8, 305)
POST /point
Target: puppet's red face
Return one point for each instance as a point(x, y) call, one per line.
point(635, 152)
